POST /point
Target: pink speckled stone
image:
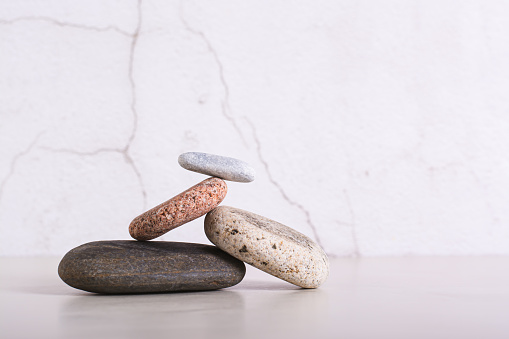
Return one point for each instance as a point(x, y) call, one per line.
point(268, 245)
point(185, 207)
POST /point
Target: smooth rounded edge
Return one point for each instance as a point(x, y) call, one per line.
point(210, 227)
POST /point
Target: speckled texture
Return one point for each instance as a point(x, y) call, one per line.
point(217, 166)
point(148, 267)
point(187, 206)
point(268, 245)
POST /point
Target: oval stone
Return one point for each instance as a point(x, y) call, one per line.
point(185, 207)
point(217, 166)
point(118, 267)
point(268, 245)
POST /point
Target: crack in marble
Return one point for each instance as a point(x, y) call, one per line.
point(225, 102)
point(125, 151)
point(14, 160)
point(356, 251)
point(59, 23)
point(279, 187)
point(82, 153)
point(132, 83)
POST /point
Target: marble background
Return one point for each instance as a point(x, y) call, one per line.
point(375, 127)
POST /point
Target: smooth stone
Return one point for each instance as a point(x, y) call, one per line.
point(268, 245)
point(123, 266)
point(185, 207)
point(217, 166)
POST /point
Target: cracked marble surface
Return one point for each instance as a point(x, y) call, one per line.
point(375, 129)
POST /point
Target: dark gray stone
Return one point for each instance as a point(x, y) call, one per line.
point(119, 267)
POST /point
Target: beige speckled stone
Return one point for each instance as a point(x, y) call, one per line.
point(268, 245)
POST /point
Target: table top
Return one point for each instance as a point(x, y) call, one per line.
point(400, 297)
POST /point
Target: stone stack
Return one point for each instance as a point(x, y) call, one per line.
point(141, 266)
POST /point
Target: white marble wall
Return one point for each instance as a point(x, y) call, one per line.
point(376, 127)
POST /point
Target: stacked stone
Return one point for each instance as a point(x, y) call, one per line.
point(239, 236)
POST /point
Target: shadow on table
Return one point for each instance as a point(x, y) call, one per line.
point(61, 289)
point(57, 289)
point(171, 313)
point(270, 310)
point(254, 285)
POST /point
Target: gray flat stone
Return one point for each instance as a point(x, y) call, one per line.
point(268, 245)
point(217, 166)
point(119, 267)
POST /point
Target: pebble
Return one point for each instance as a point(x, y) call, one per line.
point(120, 266)
point(268, 245)
point(218, 166)
point(187, 206)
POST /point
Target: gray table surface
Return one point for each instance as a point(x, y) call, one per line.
point(400, 297)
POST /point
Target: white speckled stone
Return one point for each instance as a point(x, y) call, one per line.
point(217, 166)
point(268, 245)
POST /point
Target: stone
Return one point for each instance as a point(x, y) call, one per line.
point(268, 245)
point(185, 207)
point(218, 166)
point(128, 266)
